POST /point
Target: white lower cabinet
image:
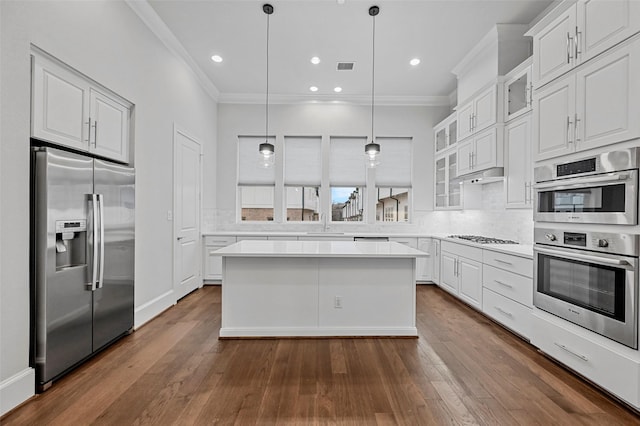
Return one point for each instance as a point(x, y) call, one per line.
point(507, 282)
point(436, 261)
point(424, 265)
point(213, 263)
point(461, 272)
point(509, 313)
point(608, 364)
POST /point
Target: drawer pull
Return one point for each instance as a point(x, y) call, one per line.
point(503, 312)
point(503, 284)
point(564, 348)
point(504, 262)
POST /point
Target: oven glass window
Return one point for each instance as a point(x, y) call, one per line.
point(605, 199)
point(595, 287)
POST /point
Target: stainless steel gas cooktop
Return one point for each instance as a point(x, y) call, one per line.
point(483, 240)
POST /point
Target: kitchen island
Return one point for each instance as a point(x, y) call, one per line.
point(318, 288)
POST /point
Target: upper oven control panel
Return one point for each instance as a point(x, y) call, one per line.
point(624, 159)
point(605, 242)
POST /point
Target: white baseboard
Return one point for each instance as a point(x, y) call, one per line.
point(318, 332)
point(17, 389)
point(153, 308)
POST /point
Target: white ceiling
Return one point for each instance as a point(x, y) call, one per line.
point(438, 32)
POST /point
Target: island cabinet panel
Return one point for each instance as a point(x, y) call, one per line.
point(364, 299)
point(270, 301)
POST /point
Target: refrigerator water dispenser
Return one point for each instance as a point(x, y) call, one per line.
point(71, 243)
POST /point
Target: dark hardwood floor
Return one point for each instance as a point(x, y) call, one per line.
point(463, 369)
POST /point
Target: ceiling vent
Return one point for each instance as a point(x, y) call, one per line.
point(345, 66)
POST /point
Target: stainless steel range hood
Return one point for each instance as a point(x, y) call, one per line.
point(494, 174)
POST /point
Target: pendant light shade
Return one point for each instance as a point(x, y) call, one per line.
point(372, 149)
point(267, 149)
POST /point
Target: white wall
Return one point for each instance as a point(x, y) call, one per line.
point(106, 41)
point(323, 119)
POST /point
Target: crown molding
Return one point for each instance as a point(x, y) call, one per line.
point(242, 98)
point(151, 19)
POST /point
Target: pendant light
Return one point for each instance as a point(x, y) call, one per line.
point(267, 150)
point(372, 149)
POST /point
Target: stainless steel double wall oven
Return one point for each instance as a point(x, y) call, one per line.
point(589, 275)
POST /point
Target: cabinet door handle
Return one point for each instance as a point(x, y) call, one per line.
point(503, 284)
point(469, 160)
point(569, 123)
point(503, 312)
point(503, 262)
point(89, 131)
point(577, 43)
point(95, 132)
point(569, 40)
point(531, 94)
point(470, 122)
point(564, 348)
point(576, 120)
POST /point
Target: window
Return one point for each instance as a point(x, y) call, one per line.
point(393, 180)
point(347, 204)
point(255, 182)
point(393, 205)
point(303, 203)
point(347, 177)
point(256, 203)
point(302, 178)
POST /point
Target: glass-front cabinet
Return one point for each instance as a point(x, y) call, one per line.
point(518, 91)
point(446, 134)
point(447, 189)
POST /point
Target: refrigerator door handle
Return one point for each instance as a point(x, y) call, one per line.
point(101, 275)
point(93, 245)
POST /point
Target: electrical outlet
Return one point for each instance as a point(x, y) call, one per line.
point(337, 303)
point(169, 215)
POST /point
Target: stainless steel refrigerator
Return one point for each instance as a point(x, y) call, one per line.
point(82, 254)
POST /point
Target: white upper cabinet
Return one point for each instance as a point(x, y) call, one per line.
point(71, 110)
point(446, 133)
point(518, 91)
point(596, 106)
point(60, 105)
point(477, 114)
point(109, 133)
point(518, 165)
point(578, 33)
point(480, 152)
point(553, 48)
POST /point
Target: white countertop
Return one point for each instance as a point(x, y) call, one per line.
point(361, 249)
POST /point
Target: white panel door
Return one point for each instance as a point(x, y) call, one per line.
point(554, 48)
point(465, 120)
point(109, 134)
point(607, 98)
point(484, 110)
point(518, 166)
point(470, 281)
point(449, 272)
point(605, 23)
point(59, 105)
point(465, 157)
point(554, 112)
point(485, 154)
point(187, 181)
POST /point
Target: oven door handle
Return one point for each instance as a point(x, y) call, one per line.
point(578, 256)
point(581, 182)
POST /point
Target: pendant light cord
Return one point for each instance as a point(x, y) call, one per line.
point(266, 125)
point(373, 74)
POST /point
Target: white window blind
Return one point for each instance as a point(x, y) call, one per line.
point(250, 170)
point(302, 161)
point(395, 162)
point(346, 162)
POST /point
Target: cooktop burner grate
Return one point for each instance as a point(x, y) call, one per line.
point(483, 240)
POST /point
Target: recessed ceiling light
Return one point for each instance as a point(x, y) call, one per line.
point(315, 60)
point(414, 61)
point(337, 89)
point(313, 88)
point(216, 58)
